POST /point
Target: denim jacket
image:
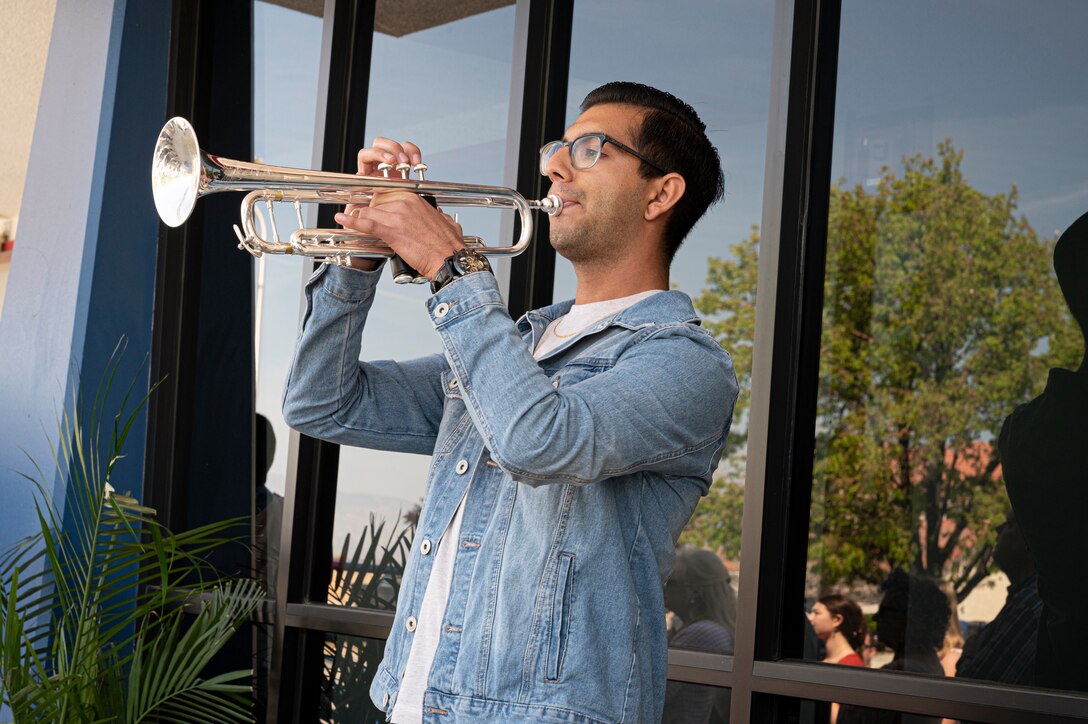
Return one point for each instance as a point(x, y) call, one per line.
point(584, 467)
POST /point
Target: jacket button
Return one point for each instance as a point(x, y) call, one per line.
point(410, 624)
point(385, 700)
point(453, 384)
point(442, 310)
point(462, 467)
point(425, 546)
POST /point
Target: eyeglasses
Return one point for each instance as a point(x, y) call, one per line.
point(585, 150)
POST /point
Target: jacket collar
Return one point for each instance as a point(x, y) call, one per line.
point(668, 307)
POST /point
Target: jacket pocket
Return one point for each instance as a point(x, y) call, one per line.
point(562, 602)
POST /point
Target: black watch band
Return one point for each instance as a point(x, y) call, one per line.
point(458, 264)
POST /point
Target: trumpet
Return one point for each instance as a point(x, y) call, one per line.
point(181, 173)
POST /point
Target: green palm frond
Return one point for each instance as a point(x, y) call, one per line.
point(93, 622)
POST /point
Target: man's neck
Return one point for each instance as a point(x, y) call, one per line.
point(600, 283)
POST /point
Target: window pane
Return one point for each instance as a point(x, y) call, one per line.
point(729, 42)
point(350, 663)
point(284, 95)
point(959, 159)
point(446, 89)
point(687, 703)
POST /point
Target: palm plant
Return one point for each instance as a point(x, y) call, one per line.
point(94, 607)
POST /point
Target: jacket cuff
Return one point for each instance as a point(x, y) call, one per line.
point(462, 296)
point(351, 285)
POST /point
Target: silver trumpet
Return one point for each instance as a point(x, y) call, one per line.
point(181, 173)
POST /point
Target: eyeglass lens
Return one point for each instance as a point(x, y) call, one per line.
point(584, 152)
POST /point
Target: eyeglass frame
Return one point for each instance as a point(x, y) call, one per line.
point(604, 138)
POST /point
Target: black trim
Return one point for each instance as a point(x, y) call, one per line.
point(177, 284)
point(542, 37)
point(797, 329)
point(310, 510)
point(199, 464)
point(929, 695)
point(203, 291)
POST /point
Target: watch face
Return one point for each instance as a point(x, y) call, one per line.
point(471, 261)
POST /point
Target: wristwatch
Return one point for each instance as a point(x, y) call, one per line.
point(458, 264)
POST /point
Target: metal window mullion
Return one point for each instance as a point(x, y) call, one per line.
point(310, 497)
point(362, 622)
point(789, 299)
point(538, 98)
point(927, 695)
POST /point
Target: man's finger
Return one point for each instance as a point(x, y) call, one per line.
point(369, 158)
point(401, 153)
point(415, 155)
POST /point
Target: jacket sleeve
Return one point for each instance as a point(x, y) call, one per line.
point(331, 395)
point(669, 395)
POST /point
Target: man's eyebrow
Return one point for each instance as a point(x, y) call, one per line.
point(584, 133)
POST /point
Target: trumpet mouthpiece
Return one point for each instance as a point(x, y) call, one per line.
point(551, 205)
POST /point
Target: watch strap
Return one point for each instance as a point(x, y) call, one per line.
point(457, 265)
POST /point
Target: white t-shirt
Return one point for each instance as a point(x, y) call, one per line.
point(409, 706)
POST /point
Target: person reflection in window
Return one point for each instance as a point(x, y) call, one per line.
point(912, 620)
point(840, 624)
point(1005, 649)
point(268, 505)
point(1044, 459)
point(952, 648)
point(699, 595)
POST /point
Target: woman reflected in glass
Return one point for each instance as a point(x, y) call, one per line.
point(840, 624)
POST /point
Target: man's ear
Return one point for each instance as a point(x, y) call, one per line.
point(663, 193)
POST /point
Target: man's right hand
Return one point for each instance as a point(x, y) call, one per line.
point(384, 150)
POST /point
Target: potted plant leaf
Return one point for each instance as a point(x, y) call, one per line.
point(104, 614)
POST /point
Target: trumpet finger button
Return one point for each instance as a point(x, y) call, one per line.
point(419, 169)
point(403, 169)
point(385, 168)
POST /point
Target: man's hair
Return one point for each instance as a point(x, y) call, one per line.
point(674, 137)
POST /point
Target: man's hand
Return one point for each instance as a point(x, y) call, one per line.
point(420, 234)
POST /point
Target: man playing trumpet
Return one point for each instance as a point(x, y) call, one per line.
point(569, 447)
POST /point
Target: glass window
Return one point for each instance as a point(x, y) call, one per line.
point(284, 97)
point(718, 59)
point(948, 484)
point(688, 703)
point(446, 88)
point(349, 667)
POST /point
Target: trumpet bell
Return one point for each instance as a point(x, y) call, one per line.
point(176, 171)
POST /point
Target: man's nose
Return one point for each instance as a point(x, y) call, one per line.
point(558, 166)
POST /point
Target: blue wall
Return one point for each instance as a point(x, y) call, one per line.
point(84, 273)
